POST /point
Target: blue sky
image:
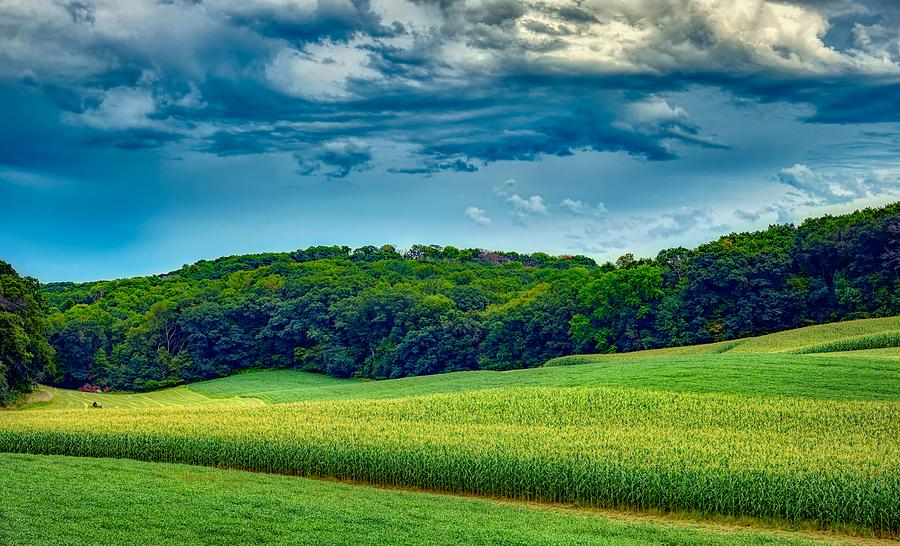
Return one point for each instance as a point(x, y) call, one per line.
point(139, 135)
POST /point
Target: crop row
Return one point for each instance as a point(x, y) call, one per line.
point(881, 340)
point(825, 462)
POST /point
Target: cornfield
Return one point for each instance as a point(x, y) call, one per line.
point(882, 340)
point(828, 463)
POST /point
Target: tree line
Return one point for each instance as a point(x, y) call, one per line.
point(374, 312)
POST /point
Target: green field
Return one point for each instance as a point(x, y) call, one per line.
point(125, 502)
point(800, 340)
point(822, 376)
point(716, 430)
point(52, 398)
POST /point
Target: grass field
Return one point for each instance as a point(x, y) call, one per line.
point(858, 375)
point(112, 501)
point(821, 376)
point(52, 398)
point(810, 439)
point(726, 367)
point(795, 341)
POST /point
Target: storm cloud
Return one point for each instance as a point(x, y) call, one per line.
point(458, 84)
point(627, 123)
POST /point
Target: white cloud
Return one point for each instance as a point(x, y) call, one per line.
point(748, 215)
point(596, 36)
point(523, 209)
point(877, 43)
point(120, 108)
point(477, 215)
point(839, 186)
point(580, 208)
point(458, 40)
point(321, 71)
point(656, 111)
point(573, 206)
point(818, 189)
point(679, 226)
point(780, 212)
point(655, 116)
point(670, 36)
point(534, 205)
point(680, 221)
point(506, 188)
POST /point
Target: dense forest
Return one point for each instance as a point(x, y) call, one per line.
point(25, 356)
point(373, 312)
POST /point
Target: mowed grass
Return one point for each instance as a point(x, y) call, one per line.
point(62, 500)
point(850, 377)
point(272, 385)
point(890, 354)
point(53, 398)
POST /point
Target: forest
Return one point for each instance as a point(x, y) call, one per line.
point(374, 312)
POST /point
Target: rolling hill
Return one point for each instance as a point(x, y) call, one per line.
point(761, 366)
point(744, 429)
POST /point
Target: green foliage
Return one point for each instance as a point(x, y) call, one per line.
point(624, 304)
point(25, 356)
point(374, 313)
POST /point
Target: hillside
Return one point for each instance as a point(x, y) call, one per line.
point(375, 313)
point(729, 367)
point(834, 338)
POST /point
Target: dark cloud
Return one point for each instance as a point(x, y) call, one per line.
point(332, 19)
point(132, 139)
point(80, 12)
point(576, 15)
point(457, 165)
point(460, 84)
point(850, 102)
point(335, 159)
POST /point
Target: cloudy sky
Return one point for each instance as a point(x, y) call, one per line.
point(139, 135)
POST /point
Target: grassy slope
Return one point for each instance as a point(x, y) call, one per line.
point(750, 366)
point(791, 340)
point(780, 342)
point(61, 500)
point(851, 377)
point(860, 375)
point(178, 396)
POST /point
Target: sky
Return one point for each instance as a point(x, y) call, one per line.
point(140, 135)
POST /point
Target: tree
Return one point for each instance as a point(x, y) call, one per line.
point(25, 355)
point(530, 329)
point(624, 303)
